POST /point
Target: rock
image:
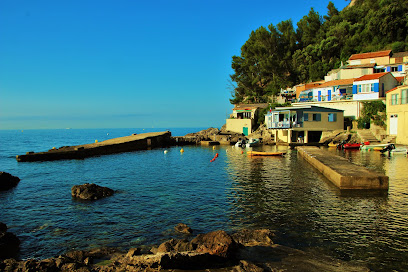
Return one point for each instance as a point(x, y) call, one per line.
point(245, 266)
point(90, 191)
point(204, 135)
point(175, 245)
point(260, 237)
point(215, 243)
point(8, 181)
point(183, 228)
point(9, 243)
point(3, 227)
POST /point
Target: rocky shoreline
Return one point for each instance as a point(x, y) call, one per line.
point(245, 250)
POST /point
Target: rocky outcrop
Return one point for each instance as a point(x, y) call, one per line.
point(8, 181)
point(90, 191)
point(263, 133)
point(244, 251)
point(183, 228)
point(9, 243)
point(204, 135)
point(339, 136)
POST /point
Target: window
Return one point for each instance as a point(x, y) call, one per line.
point(404, 96)
point(305, 117)
point(332, 117)
point(394, 99)
point(365, 88)
point(394, 69)
point(317, 117)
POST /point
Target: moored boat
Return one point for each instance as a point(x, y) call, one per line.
point(351, 146)
point(372, 147)
point(253, 142)
point(263, 153)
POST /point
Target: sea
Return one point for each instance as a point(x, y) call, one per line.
point(156, 190)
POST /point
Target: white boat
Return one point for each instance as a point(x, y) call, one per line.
point(372, 147)
point(253, 142)
point(241, 143)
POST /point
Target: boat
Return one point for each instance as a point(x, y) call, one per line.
point(391, 149)
point(372, 147)
point(240, 143)
point(253, 142)
point(332, 144)
point(263, 153)
point(351, 146)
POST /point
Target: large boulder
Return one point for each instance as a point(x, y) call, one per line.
point(205, 135)
point(90, 191)
point(215, 243)
point(8, 181)
point(258, 237)
point(9, 243)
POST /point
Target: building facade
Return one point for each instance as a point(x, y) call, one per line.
point(397, 114)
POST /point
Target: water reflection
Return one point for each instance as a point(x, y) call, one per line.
point(306, 211)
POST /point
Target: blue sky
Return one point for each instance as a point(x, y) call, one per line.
point(127, 64)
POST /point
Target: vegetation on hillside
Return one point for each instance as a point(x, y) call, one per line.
point(282, 56)
point(373, 111)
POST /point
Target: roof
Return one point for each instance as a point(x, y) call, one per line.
point(369, 65)
point(400, 79)
point(371, 55)
point(371, 77)
point(336, 83)
point(396, 88)
point(305, 107)
point(250, 106)
point(400, 55)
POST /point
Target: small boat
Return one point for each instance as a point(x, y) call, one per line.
point(240, 143)
point(372, 147)
point(253, 142)
point(394, 151)
point(332, 144)
point(351, 146)
point(263, 153)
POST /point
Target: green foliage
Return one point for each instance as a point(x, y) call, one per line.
point(373, 111)
point(281, 56)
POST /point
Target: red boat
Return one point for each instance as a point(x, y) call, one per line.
point(351, 146)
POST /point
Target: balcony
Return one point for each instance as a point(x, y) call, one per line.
point(284, 125)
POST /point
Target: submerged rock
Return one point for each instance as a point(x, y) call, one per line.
point(183, 228)
point(8, 181)
point(9, 243)
point(90, 191)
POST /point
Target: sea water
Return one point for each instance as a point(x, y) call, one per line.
point(156, 190)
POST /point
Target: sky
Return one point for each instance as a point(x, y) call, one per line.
point(127, 63)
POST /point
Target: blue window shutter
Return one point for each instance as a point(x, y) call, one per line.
point(399, 68)
point(335, 117)
point(319, 98)
point(319, 117)
point(388, 69)
point(376, 87)
point(305, 117)
point(354, 89)
point(329, 93)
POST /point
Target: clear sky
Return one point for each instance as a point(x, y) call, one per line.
point(127, 63)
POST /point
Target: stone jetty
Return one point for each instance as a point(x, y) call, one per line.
point(342, 173)
point(117, 145)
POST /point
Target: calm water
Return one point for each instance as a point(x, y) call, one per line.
point(156, 191)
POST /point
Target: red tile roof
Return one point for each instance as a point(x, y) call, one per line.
point(400, 79)
point(336, 83)
point(371, 77)
point(371, 55)
point(393, 89)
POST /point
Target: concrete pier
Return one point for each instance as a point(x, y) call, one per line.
point(112, 146)
point(342, 173)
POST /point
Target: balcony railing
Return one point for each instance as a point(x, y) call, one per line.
point(285, 124)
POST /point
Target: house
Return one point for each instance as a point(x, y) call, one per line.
point(350, 71)
point(398, 64)
point(397, 113)
point(333, 90)
point(379, 58)
point(373, 86)
point(244, 117)
point(306, 86)
point(303, 123)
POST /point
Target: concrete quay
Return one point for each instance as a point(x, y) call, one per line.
point(342, 173)
point(117, 145)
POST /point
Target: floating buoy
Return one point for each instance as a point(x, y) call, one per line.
point(181, 150)
point(53, 147)
point(165, 151)
point(216, 155)
point(107, 133)
point(96, 141)
point(213, 147)
point(242, 152)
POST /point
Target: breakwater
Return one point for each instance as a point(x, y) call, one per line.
point(111, 146)
point(341, 172)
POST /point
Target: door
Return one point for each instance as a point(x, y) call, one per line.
point(245, 131)
point(393, 124)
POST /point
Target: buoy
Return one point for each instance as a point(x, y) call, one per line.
point(216, 155)
point(53, 147)
point(96, 141)
point(181, 150)
point(165, 151)
point(242, 152)
point(213, 147)
point(107, 133)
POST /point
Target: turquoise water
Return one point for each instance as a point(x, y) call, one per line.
point(155, 191)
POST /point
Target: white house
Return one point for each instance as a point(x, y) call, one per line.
point(373, 86)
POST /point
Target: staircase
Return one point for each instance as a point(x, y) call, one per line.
point(389, 139)
point(367, 136)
